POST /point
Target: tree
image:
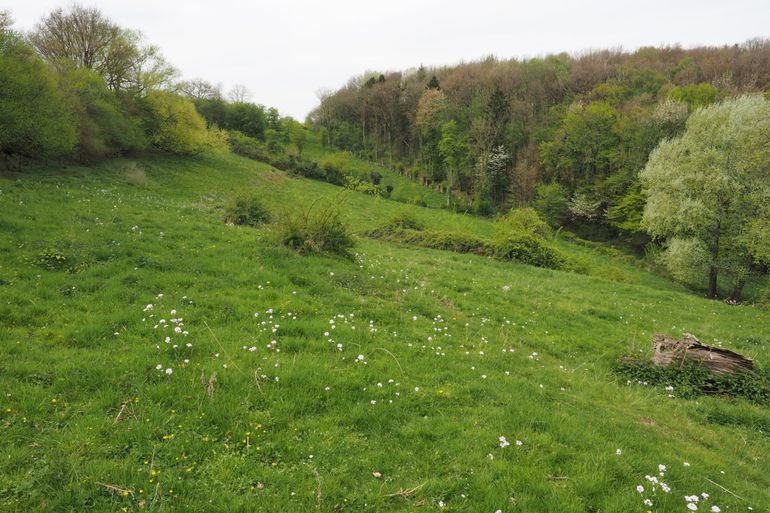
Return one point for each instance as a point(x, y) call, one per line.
point(104, 129)
point(695, 95)
point(454, 151)
point(585, 147)
point(84, 38)
point(708, 190)
point(430, 115)
point(175, 126)
point(552, 204)
point(199, 89)
point(298, 135)
point(239, 94)
point(35, 120)
point(246, 118)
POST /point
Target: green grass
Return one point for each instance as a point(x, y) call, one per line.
point(405, 190)
point(475, 348)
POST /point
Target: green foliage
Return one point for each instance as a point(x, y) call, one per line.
point(518, 238)
point(356, 184)
point(626, 214)
point(298, 136)
point(552, 204)
point(246, 118)
point(405, 219)
point(336, 166)
point(762, 298)
point(35, 120)
point(710, 187)
point(691, 379)
point(528, 248)
point(419, 237)
point(586, 147)
point(175, 126)
point(319, 229)
point(248, 211)
point(167, 237)
point(695, 95)
point(103, 128)
point(52, 259)
point(523, 220)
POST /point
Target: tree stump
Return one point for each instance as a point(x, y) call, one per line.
point(669, 352)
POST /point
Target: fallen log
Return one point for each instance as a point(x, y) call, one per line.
point(670, 352)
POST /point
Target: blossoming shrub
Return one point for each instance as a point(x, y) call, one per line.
point(248, 211)
point(319, 229)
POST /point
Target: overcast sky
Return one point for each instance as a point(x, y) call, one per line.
point(285, 51)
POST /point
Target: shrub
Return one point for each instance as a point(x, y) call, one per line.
point(523, 220)
point(248, 211)
point(691, 379)
point(448, 241)
point(335, 167)
point(319, 229)
point(457, 242)
point(355, 184)
point(405, 219)
point(529, 249)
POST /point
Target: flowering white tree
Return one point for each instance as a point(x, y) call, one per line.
point(708, 190)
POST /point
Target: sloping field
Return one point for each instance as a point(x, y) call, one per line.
point(153, 358)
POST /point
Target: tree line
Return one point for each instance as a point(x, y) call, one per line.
point(569, 136)
point(78, 87)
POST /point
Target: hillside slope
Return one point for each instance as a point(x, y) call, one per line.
point(251, 404)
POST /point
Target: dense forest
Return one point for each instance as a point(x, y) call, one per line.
point(567, 134)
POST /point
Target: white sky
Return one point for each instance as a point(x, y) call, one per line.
point(285, 51)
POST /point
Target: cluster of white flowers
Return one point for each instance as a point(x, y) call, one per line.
point(174, 321)
point(693, 502)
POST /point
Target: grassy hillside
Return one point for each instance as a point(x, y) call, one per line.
point(107, 406)
point(404, 189)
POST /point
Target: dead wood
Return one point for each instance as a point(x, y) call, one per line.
point(671, 352)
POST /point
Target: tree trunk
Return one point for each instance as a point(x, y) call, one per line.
point(737, 291)
point(713, 271)
point(669, 352)
point(712, 294)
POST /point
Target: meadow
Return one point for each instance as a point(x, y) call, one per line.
point(154, 358)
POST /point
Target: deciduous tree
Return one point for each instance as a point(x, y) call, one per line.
point(708, 190)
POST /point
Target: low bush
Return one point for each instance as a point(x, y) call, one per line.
point(405, 219)
point(356, 184)
point(248, 211)
point(524, 247)
point(529, 249)
point(691, 379)
point(319, 229)
point(523, 220)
